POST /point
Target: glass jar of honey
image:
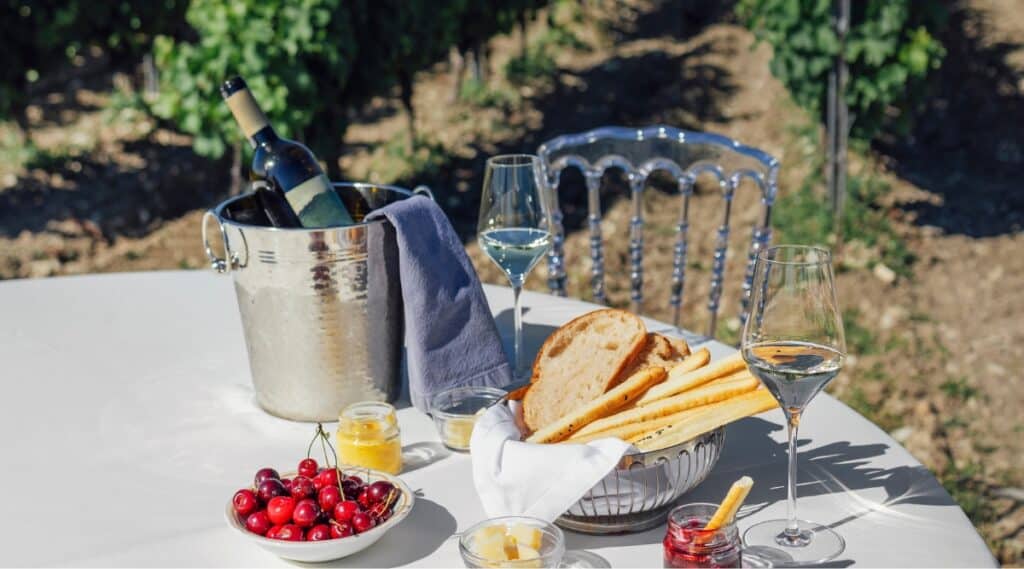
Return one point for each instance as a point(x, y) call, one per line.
point(368, 436)
point(688, 544)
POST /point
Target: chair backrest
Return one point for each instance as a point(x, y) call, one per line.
point(685, 156)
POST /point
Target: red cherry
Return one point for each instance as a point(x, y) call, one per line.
point(318, 532)
point(344, 511)
point(289, 532)
point(272, 532)
point(270, 488)
point(245, 502)
point(302, 487)
point(362, 522)
point(265, 474)
point(341, 529)
point(288, 483)
point(258, 523)
point(365, 499)
point(329, 497)
point(350, 488)
point(306, 513)
point(280, 509)
point(379, 490)
point(308, 468)
point(328, 477)
point(355, 480)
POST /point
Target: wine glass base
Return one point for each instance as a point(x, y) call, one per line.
point(813, 544)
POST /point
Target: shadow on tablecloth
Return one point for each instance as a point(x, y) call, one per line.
point(426, 529)
point(835, 468)
point(419, 455)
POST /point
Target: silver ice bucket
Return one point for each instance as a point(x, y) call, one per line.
point(321, 308)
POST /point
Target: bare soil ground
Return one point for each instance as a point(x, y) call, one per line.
point(937, 354)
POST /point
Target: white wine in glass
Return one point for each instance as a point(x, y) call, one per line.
point(793, 342)
point(516, 250)
point(514, 228)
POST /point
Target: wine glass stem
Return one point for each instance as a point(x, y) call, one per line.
point(792, 526)
point(517, 342)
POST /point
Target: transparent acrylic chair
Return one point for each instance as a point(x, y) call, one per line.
point(685, 156)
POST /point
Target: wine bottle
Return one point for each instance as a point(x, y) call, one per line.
point(288, 167)
point(275, 206)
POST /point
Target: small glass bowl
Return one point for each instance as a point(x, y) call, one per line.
point(688, 544)
point(455, 411)
point(552, 544)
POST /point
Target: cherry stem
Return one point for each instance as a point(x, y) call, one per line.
point(316, 435)
point(325, 444)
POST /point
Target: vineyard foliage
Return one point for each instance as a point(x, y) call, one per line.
point(41, 36)
point(307, 61)
point(296, 56)
point(890, 48)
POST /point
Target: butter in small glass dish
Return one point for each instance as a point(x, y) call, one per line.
point(512, 541)
point(456, 410)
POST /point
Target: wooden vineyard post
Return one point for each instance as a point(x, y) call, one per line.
point(838, 123)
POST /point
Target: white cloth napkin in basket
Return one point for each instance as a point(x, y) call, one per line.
point(515, 478)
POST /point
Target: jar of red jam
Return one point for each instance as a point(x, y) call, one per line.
point(688, 544)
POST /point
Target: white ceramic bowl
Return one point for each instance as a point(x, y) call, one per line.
point(330, 549)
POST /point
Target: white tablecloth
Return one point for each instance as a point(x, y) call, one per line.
point(128, 421)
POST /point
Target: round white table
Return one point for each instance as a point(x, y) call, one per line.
point(129, 421)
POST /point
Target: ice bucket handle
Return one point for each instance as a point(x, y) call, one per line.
point(231, 260)
point(424, 191)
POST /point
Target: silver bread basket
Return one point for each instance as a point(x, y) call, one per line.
point(639, 493)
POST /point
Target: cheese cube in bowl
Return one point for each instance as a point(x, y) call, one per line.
point(512, 541)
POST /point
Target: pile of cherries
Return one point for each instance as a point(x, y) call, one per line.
point(313, 506)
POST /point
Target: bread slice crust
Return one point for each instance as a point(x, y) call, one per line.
point(658, 351)
point(591, 351)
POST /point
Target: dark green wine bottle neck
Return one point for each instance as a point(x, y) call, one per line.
point(265, 136)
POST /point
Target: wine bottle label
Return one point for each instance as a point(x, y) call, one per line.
point(248, 114)
point(317, 205)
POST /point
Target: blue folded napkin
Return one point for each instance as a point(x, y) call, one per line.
point(450, 336)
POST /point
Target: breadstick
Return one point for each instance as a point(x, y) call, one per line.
point(604, 405)
point(708, 418)
point(634, 430)
point(717, 390)
point(696, 360)
point(731, 504)
point(685, 380)
point(625, 432)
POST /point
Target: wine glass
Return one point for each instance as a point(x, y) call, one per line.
point(515, 227)
point(793, 342)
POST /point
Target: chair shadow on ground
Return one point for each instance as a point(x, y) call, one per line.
point(834, 468)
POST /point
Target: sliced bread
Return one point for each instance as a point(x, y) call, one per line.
point(658, 351)
point(579, 362)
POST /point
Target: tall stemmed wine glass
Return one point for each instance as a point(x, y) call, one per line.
point(793, 342)
point(515, 227)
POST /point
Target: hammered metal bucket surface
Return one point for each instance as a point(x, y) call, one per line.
point(321, 308)
point(644, 486)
